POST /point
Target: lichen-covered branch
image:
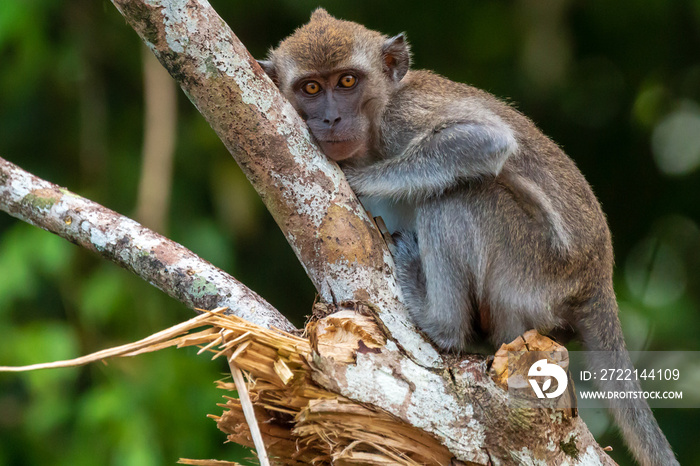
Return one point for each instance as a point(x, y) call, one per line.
point(163, 263)
point(307, 194)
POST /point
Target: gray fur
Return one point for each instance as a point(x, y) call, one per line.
point(496, 230)
point(435, 160)
point(507, 235)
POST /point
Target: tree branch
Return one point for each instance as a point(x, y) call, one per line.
point(163, 263)
point(307, 194)
point(159, 135)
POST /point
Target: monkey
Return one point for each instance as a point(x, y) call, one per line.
point(496, 230)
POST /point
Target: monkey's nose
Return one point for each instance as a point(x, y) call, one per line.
point(330, 121)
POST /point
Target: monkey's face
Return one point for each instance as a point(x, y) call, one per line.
point(339, 76)
point(332, 105)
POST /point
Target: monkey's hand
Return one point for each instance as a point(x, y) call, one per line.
point(409, 269)
point(404, 245)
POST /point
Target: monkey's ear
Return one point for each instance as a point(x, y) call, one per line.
point(269, 69)
point(396, 57)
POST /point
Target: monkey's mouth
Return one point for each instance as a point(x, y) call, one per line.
point(340, 150)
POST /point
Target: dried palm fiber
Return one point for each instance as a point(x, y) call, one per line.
point(300, 421)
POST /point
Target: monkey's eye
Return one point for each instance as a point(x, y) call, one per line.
point(312, 87)
point(347, 81)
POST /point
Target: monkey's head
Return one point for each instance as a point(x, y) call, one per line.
point(339, 76)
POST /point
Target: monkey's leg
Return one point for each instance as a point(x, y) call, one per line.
point(434, 276)
point(447, 317)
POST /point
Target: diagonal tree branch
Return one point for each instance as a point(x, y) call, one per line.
point(161, 262)
point(307, 194)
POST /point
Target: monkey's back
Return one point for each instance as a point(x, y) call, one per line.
point(541, 240)
point(425, 98)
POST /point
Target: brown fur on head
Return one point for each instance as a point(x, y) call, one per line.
point(343, 118)
point(326, 43)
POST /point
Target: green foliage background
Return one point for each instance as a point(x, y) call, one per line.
point(617, 84)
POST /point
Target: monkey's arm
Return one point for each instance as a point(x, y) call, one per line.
point(435, 161)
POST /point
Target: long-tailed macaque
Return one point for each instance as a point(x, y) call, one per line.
point(496, 230)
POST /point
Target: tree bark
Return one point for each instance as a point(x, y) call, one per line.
point(163, 263)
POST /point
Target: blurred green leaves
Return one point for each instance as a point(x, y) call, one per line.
point(28, 255)
point(24, 43)
point(676, 140)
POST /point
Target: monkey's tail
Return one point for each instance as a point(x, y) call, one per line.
point(600, 330)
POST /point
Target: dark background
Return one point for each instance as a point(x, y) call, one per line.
point(616, 84)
